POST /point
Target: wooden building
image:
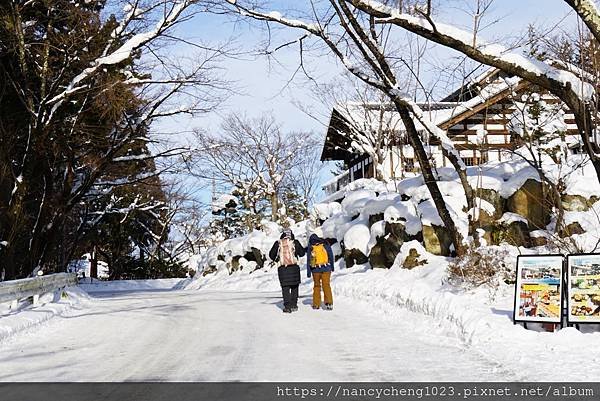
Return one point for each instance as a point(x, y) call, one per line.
point(476, 117)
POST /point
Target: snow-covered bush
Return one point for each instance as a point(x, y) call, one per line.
point(482, 266)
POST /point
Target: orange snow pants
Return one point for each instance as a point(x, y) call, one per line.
point(322, 280)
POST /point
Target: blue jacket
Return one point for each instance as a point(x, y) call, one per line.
point(329, 267)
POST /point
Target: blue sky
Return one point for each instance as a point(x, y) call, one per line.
point(264, 86)
point(263, 82)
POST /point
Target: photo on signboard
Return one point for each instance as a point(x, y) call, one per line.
point(538, 295)
point(583, 287)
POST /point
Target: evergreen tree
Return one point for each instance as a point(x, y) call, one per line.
point(70, 118)
point(227, 221)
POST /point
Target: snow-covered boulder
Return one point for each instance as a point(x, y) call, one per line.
point(528, 201)
point(512, 229)
point(387, 244)
point(406, 214)
point(357, 237)
point(412, 254)
point(571, 229)
point(356, 244)
point(355, 201)
point(383, 254)
point(436, 240)
point(577, 203)
point(492, 197)
point(540, 237)
point(323, 211)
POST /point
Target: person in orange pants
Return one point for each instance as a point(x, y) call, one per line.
point(322, 280)
point(320, 264)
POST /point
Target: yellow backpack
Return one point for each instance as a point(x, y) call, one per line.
point(318, 256)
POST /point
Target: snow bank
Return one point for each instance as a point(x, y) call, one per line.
point(131, 285)
point(26, 316)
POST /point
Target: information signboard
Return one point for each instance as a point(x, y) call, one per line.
point(583, 288)
point(538, 291)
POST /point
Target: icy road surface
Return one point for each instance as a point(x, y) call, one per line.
point(215, 336)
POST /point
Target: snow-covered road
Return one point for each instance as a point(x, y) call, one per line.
point(214, 336)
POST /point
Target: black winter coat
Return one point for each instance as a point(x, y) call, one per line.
point(288, 275)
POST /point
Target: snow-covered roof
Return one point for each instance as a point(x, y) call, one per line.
point(472, 84)
point(371, 117)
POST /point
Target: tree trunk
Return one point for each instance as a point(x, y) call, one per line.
point(462, 176)
point(94, 264)
point(583, 119)
point(274, 207)
point(430, 179)
point(587, 11)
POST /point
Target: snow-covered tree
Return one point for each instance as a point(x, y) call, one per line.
point(568, 83)
point(539, 130)
point(370, 127)
point(228, 217)
point(256, 162)
point(82, 83)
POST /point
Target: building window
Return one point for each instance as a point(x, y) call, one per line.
point(469, 161)
point(474, 161)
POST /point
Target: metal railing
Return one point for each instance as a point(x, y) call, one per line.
point(16, 290)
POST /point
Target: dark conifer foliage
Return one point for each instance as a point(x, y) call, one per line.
point(74, 160)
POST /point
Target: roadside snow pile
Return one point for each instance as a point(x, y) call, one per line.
point(50, 305)
point(131, 285)
point(244, 280)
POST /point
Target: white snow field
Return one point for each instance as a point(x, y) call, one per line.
point(210, 335)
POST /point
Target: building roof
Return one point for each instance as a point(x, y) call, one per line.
point(486, 89)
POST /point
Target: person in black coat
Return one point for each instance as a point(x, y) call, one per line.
point(286, 252)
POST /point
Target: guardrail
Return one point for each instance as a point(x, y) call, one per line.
point(15, 290)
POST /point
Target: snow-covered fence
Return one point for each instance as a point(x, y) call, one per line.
point(15, 290)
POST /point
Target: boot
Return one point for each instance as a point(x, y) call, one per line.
point(328, 307)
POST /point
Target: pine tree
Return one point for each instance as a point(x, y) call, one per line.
point(53, 152)
point(227, 221)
